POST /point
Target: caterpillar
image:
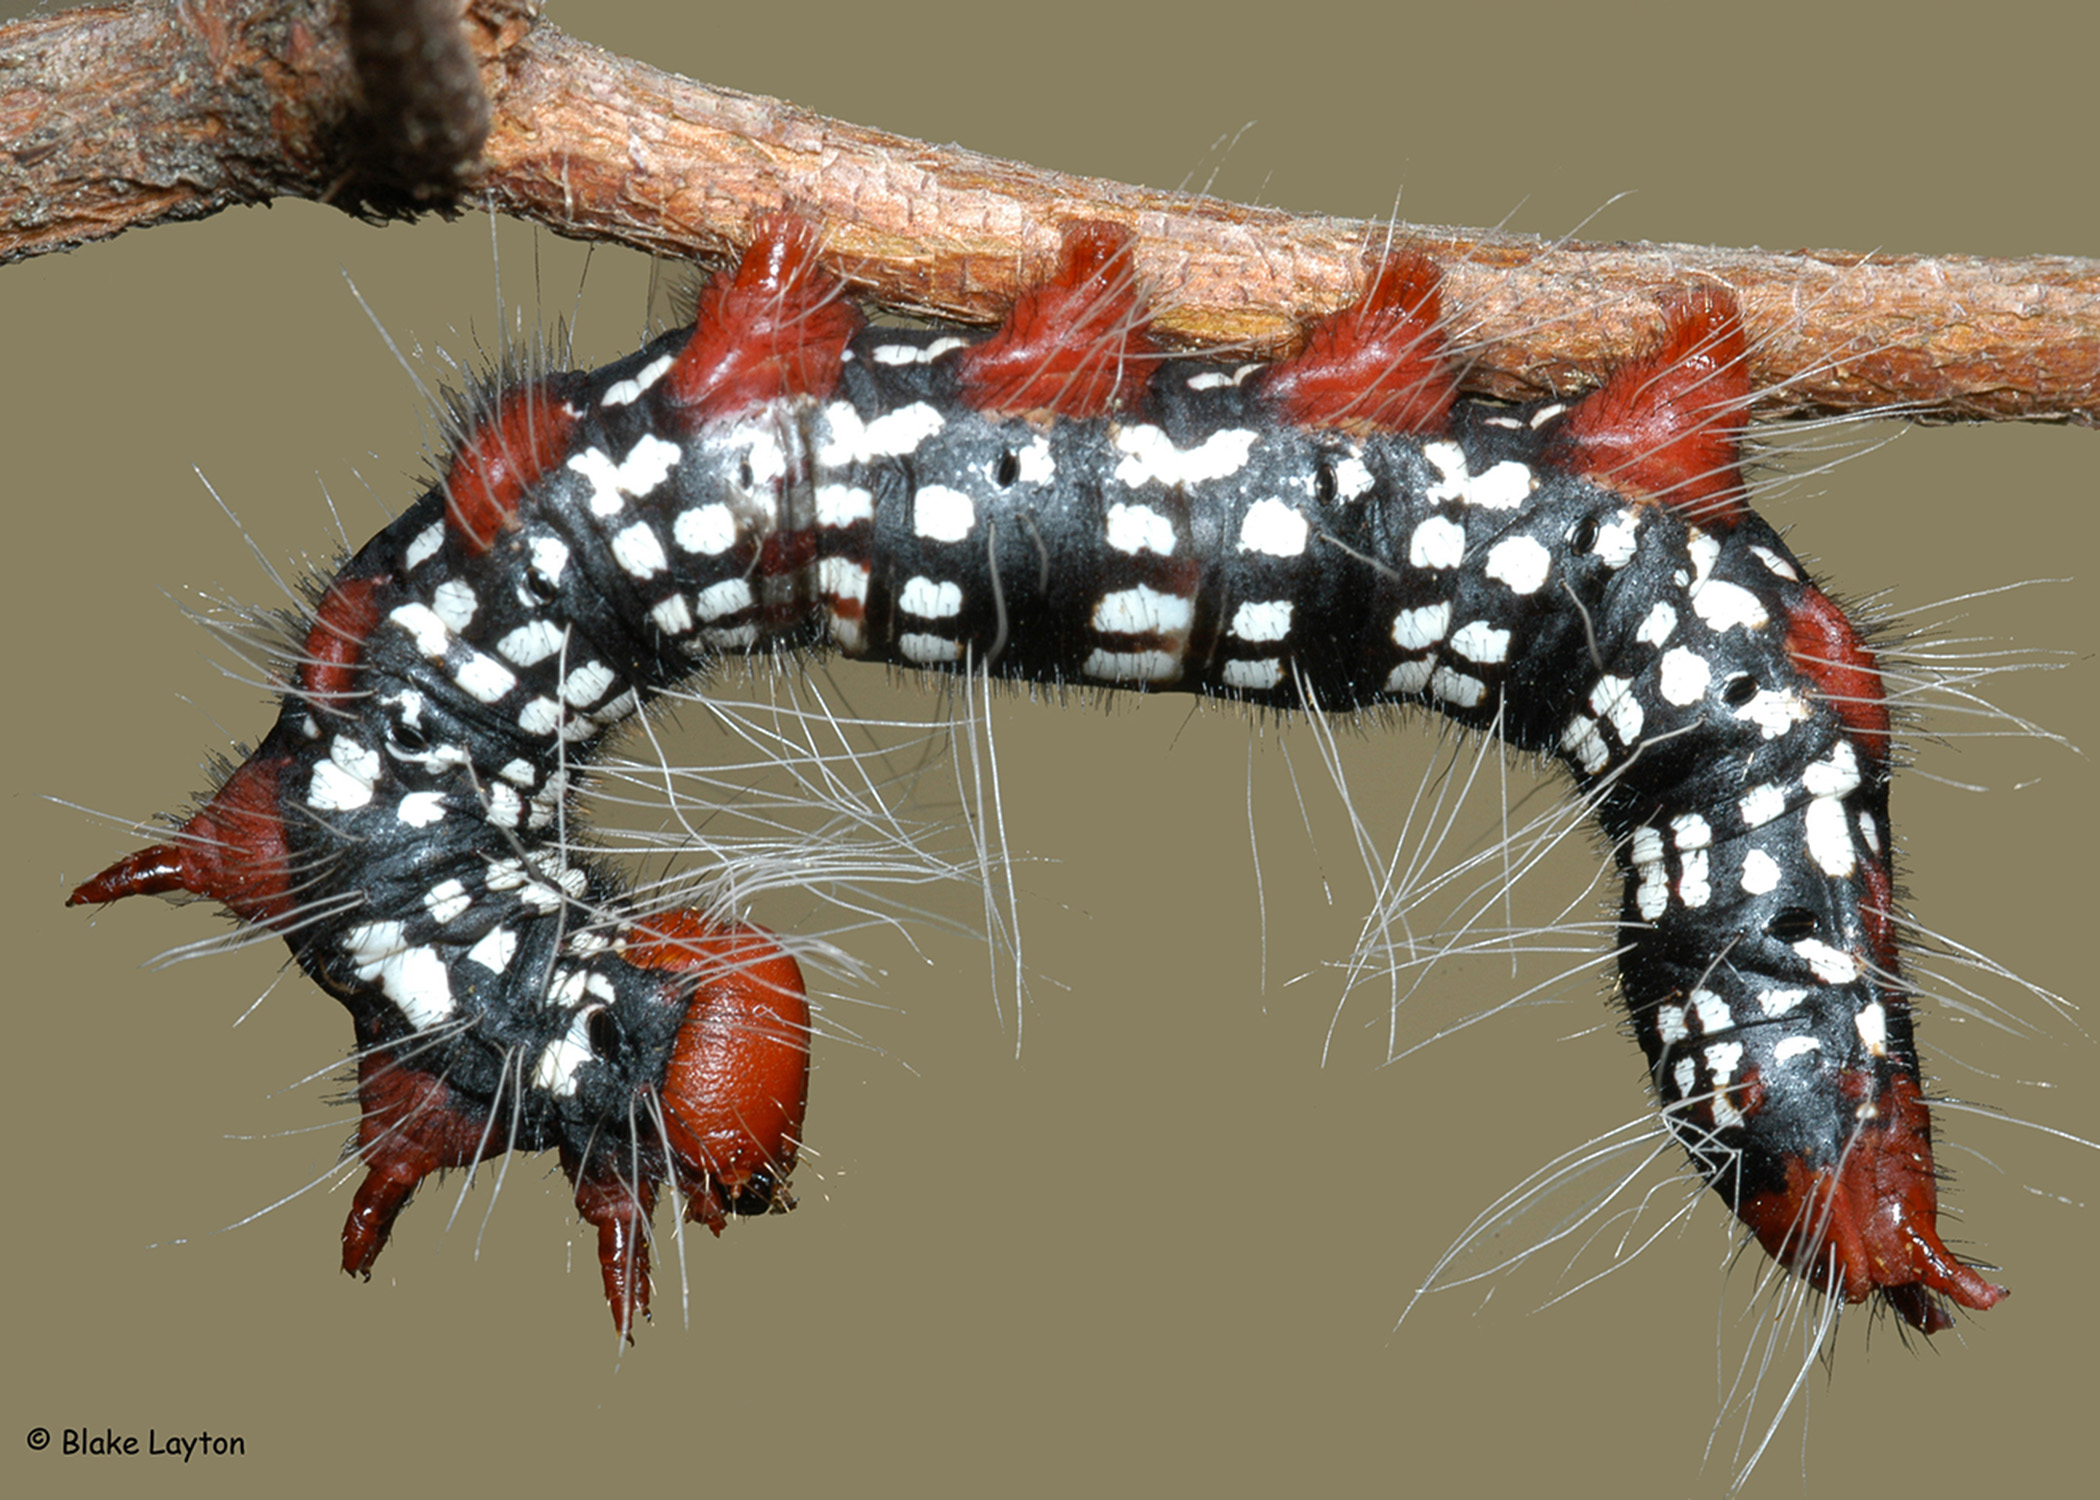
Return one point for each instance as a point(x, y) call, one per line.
point(1060, 503)
point(875, 1325)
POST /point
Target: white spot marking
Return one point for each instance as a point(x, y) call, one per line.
point(709, 530)
point(531, 643)
point(1269, 620)
point(1775, 712)
point(1418, 629)
point(843, 504)
point(1685, 676)
point(1829, 835)
point(484, 677)
point(1789, 1048)
point(892, 435)
point(550, 556)
point(941, 514)
point(1760, 873)
point(1457, 687)
point(1670, 1024)
point(586, 684)
point(1612, 700)
point(1132, 666)
point(1872, 1023)
point(1831, 965)
point(725, 598)
point(624, 392)
point(1439, 542)
point(1656, 629)
point(1476, 640)
point(1694, 889)
point(1761, 804)
point(1273, 528)
point(639, 552)
point(1142, 611)
point(1686, 1076)
point(1252, 675)
point(413, 978)
point(446, 900)
point(495, 949)
point(1779, 1002)
point(1520, 562)
point(1150, 457)
point(1581, 740)
point(923, 597)
point(421, 809)
point(843, 578)
point(503, 805)
point(1410, 676)
point(1139, 528)
point(672, 616)
point(1775, 563)
point(542, 716)
point(929, 650)
point(1724, 606)
point(426, 545)
point(1352, 479)
point(913, 354)
point(1712, 1011)
point(1617, 539)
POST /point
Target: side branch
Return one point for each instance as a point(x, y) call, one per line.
point(115, 118)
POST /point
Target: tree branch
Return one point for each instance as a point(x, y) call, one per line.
point(113, 118)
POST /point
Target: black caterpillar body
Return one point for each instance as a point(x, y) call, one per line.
point(1060, 503)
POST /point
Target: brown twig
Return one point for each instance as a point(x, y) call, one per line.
point(117, 118)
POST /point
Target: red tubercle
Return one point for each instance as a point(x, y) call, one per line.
point(1822, 643)
point(1079, 345)
point(345, 617)
point(506, 454)
point(1871, 1224)
point(737, 1085)
point(777, 326)
point(1667, 426)
point(233, 850)
point(1376, 365)
point(411, 1126)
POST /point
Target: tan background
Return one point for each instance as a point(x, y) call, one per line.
point(1165, 1246)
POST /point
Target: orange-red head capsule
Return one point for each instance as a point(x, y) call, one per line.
point(738, 1081)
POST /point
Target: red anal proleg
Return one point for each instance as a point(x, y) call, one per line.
point(499, 462)
point(774, 327)
point(1870, 1224)
point(1079, 345)
point(411, 1126)
point(232, 850)
point(1667, 426)
point(1377, 365)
